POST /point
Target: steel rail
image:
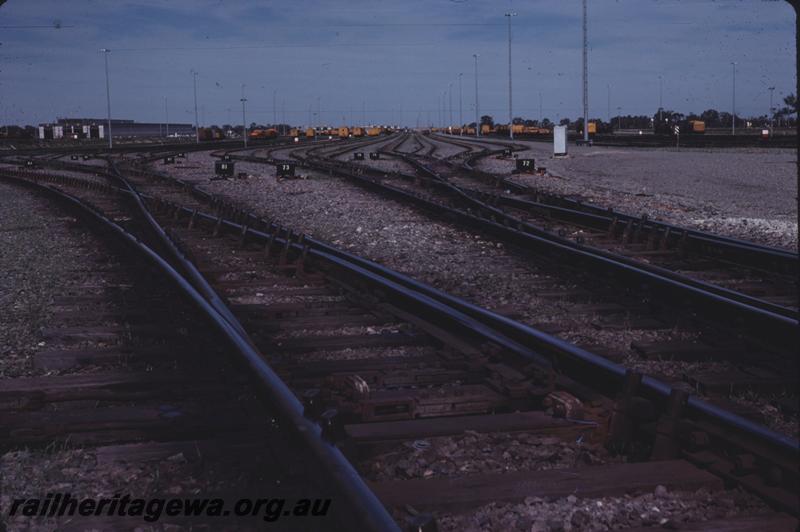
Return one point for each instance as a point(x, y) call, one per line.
point(561, 354)
point(591, 219)
point(769, 326)
point(787, 259)
point(592, 369)
point(365, 511)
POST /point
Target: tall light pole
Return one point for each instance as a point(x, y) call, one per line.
point(540, 108)
point(608, 86)
point(477, 112)
point(274, 107)
point(585, 77)
point(244, 120)
point(460, 106)
point(733, 117)
point(106, 51)
point(510, 112)
point(166, 115)
point(444, 108)
point(660, 94)
point(450, 103)
point(771, 110)
point(196, 123)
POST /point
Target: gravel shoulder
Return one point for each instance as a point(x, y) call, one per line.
point(400, 237)
point(743, 193)
point(465, 264)
point(661, 509)
point(39, 255)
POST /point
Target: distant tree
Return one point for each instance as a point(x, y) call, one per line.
point(226, 127)
point(547, 123)
point(16, 132)
point(631, 122)
point(564, 122)
point(518, 121)
point(486, 119)
point(664, 120)
point(791, 108)
point(710, 117)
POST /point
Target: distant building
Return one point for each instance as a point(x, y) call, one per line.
point(96, 128)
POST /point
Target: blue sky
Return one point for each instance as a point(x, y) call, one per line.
point(395, 59)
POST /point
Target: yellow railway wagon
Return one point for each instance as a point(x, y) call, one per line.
point(592, 128)
point(486, 129)
point(294, 132)
point(263, 133)
point(698, 126)
point(344, 132)
point(532, 130)
point(310, 133)
point(470, 131)
point(518, 129)
point(373, 131)
point(358, 131)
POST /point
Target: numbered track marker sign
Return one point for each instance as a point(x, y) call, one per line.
point(358, 156)
point(525, 165)
point(285, 169)
point(374, 155)
point(223, 168)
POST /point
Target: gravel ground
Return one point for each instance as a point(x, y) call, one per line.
point(385, 163)
point(660, 509)
point(76, 471)
point(67, 173)
point(782, 421)
point(38, 253)
point(86, 473)
point(743, 193)
point(472, 453)
point(465, 264)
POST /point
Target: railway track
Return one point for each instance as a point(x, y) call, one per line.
point(767, 274)
point(748, 364)
point(685, 141)
point(178, 395)
point(434, 359)
point(770, 289)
